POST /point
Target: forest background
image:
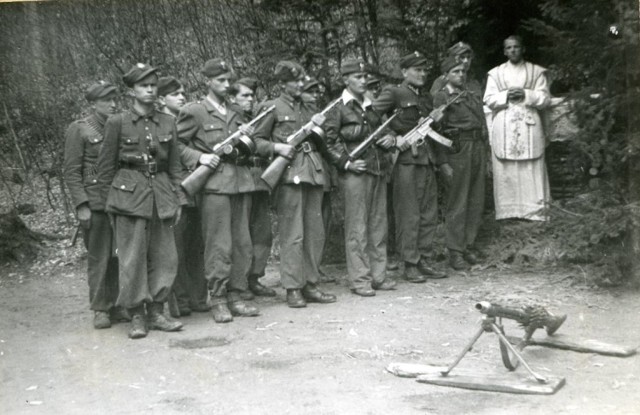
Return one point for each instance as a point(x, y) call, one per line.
point(51, 51)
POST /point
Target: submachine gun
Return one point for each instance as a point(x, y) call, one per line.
point(416, 136)
point(357, 152)
point(196, 180)
point(274, 172)
point(530, 318)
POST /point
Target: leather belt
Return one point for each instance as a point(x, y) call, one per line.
point(258, 162)
point(306, 147)
point(151, 167)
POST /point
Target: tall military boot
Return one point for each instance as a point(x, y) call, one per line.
point(138, 328)
point(158, 321)
point(221, 313)
point(239, 307)
point(257, 288)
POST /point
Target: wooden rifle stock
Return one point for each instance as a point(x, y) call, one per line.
point(274, 172)
point(198, 178)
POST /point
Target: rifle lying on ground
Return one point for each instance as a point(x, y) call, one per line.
point(416, 136)
point(196, 180)
point(274, 172)
point(369, 141)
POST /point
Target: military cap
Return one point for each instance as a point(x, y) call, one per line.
point(288, 71)
point(251, 83)
point(413, 59)
point(215, 67)
point(459, 48)
point(99, 90)
point(449, 63)
point(309, 82)
point(373, 80)
point(137, 73)
point(353, 65)
point(167, 85)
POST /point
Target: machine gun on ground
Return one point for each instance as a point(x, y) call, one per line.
point(196, 180)
point(530, 317)
point(274, 172)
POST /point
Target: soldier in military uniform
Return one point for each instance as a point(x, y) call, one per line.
point(83, 140)
point(464, 123)
point(363, 181)
point(299, 195)
point(463, 54)
point(189, 291)
point(139, 177)
point(415, 189)
point(242, 99)
point(225, 201)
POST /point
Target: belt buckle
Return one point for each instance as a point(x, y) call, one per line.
point(306, 147)
point(152, 167)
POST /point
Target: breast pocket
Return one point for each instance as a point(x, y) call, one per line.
point(286, 125)
point(129, 143)
point(214, 134)
point(409, 110)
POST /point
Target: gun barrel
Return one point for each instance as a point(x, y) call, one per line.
point(494, 310)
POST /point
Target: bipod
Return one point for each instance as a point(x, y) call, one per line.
point(490, 325)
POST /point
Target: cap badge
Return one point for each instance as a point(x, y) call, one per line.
point(101, 82)
point(417, 54)
point(223, 65)
point(140, 65)
point(361, 66)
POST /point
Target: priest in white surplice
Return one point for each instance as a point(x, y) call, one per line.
point(516, 91)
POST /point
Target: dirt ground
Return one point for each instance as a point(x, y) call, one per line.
point(325, 359)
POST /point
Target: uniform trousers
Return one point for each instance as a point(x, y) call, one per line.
point(301, 233)
point(147, 257)
point(190, 286)
point(465, 195)
point(260, 231)
point(415, 205)
point(227, 242)
point(365, 228)
point(102, 269)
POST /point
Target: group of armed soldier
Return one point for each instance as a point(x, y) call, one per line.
point(153, 236)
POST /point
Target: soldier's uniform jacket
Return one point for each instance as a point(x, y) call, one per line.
point(83, 141)
point(412, 106)
point(139, 165)
point(200, 127)
point(348, 125)
point(464, 115)
point(288, 117)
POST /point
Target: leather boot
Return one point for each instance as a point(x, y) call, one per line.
point(138, 328)
point(412, 274)
point(246, 295)
point(295, 299)
point(219, 309)
point(158, 321)
point(312, 294)
point(118, 314)
point(470, 257)
point(101, 320)
point(430, 272)
point(237, 307)
point(386, 285)
point(257, 288)
point(457, 262)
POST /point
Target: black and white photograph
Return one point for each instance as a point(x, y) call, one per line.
point(322, 207)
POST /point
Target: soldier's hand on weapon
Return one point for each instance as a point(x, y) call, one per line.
point(177, 216)
point(84, 216)
point(211, 160)
point(247, 129)
point(447, 172)
point(357, 166)
point(284, 150)
point(387, 141)
point(437, 114)
point(318, 119)
point(402, 143)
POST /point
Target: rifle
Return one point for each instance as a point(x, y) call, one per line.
point(274, 172)
point(369, 141)
point(76, 233)
point(196, 180)
point(416, 136)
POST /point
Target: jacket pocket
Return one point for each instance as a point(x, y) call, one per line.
point(128, 197)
